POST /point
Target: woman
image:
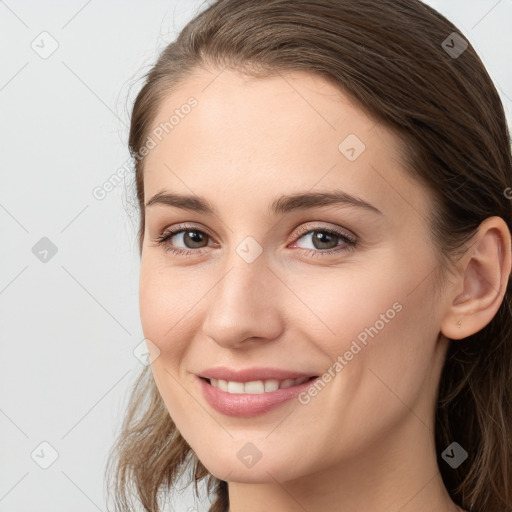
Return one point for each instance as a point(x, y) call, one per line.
point(325, 256)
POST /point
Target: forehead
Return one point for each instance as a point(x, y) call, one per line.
point(262, 137)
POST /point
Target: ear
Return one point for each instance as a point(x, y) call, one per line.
point(482, 281)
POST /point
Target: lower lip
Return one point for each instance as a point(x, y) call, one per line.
point(246, 405)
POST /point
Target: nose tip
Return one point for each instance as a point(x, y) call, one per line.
point(244, 305)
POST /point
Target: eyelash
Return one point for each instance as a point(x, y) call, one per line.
point(350, 242)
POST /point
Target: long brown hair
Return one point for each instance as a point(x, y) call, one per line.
point(401, 63)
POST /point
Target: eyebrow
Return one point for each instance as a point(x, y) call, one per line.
point(282, 205)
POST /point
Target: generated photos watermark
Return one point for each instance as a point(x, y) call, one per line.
point(357, 345)
point(100, 192)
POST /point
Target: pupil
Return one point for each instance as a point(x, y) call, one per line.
point(322, 238)
point(194, 237)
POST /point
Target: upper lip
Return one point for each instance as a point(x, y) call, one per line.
point(251, 374)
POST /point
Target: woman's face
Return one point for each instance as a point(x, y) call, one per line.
point(342, 289)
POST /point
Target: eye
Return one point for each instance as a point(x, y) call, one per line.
point(322, 240)
point(194, 239)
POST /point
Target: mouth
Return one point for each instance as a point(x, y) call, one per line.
point(256, 387)
point(251, 398)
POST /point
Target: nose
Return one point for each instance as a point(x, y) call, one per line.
point(244, 306)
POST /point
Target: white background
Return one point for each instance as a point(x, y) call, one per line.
point(68, 327)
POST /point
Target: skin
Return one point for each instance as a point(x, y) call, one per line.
point(365, 441)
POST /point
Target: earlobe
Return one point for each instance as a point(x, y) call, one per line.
point(485, 271)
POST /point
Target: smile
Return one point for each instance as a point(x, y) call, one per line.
point(252, 398)
point(256, 387)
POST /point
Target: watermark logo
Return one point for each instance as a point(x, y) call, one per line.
point(249, 455)
point(351, 147)
point(454, 455)
point(44, 250)
point(44, 455)
point(249, 249)
point(146, 352)
point(44, 45)
point(454, 45)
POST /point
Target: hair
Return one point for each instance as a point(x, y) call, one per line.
point(389, 57)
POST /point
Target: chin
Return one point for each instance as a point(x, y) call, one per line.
point(262, 472)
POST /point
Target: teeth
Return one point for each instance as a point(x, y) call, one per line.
point(256, 387)
point(271, 385)
point(288, 383)
point(235, 387)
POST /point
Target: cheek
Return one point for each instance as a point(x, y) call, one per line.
point(379, 334)
point(339, 305)
point(163, 315)
point(373, 321)
point(166, 322)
